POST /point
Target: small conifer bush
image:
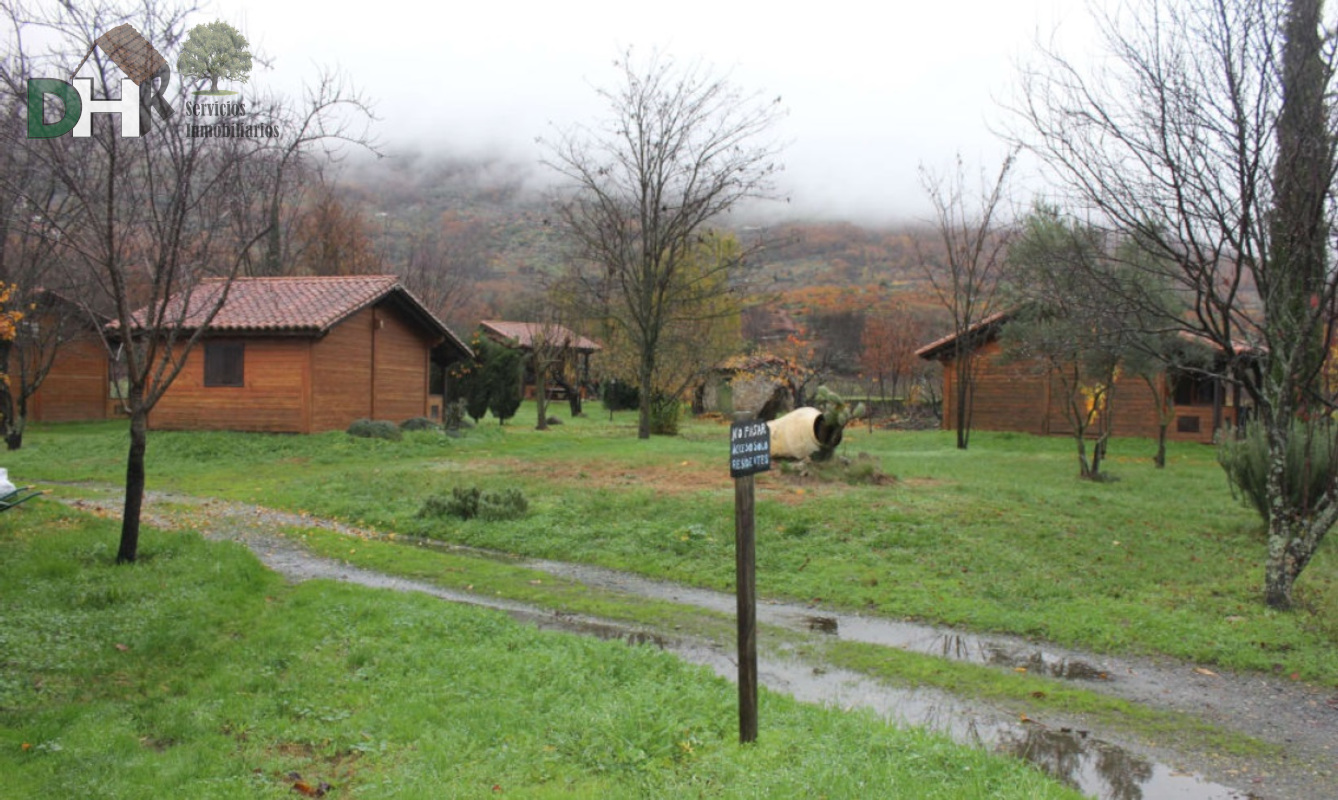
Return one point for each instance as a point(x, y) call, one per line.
point(489, 506)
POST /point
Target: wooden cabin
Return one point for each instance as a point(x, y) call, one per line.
point(309, 354)
point(1022, 396)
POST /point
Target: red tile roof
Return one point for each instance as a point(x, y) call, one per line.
point(295, 304)
point(524, 333)
point(939, 346)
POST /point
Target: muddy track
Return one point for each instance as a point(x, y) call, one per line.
point(1301, 719)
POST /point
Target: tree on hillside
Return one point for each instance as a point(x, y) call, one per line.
point(1205, 138)
point(445, 258)
point(966, 277)
point(678, 149)
point(887, 355)
point(215, 50)
point(332, 237)
point(333, 114)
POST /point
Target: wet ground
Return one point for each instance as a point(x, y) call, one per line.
point(1301, 718)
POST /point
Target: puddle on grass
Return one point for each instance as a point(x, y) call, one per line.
point(1097, 768)
point(927, 639)
point(1094, 767)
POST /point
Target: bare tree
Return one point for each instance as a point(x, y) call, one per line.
point(974, 242)
point(333, 114)
point(444, 257)
point(1206, 138)
point(678, 149)
point(332, 236)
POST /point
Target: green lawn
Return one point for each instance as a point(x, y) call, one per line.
point(197, 673)
point(1002, 537)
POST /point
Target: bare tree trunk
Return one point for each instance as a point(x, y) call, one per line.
point(1084, 468)
point(134, 487)
point(646, 375)
point(540, 389)
point(1296, 292)
point(1160, 458)
point(16, 420)
point(964, 396)
point(573, 397)
point(1281, 523)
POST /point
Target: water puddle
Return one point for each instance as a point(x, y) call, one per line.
point(1094, 767)
point(926, 639)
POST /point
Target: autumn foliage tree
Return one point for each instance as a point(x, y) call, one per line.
point(333, 237)
point(445, 257)
point(888, 346)
point(9, 327)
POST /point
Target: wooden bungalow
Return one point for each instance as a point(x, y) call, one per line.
point(1020, 395)
point(576, 351)
point(309, 354)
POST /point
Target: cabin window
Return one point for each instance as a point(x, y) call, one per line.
point(224, 364)
point(1186, 424)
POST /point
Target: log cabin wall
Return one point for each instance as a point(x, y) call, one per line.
point(374, 365)
point(1009, 396)
point(77, 387)
point(401, 364)
point(276, 376)
point(341, 373)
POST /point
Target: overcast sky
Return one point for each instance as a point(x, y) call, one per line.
point(872, 89)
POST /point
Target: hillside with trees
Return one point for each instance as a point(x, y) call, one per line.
point(477, 240)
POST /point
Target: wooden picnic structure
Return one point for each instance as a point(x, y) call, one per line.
point(575, 351)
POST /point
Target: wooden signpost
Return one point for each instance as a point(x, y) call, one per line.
point(749, 454)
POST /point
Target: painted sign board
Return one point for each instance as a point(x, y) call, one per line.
point(749, 448)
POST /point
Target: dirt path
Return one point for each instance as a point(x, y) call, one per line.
point(1301, 719)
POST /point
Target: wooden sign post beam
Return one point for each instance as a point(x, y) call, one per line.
point(745, 579)
point(749, 453)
